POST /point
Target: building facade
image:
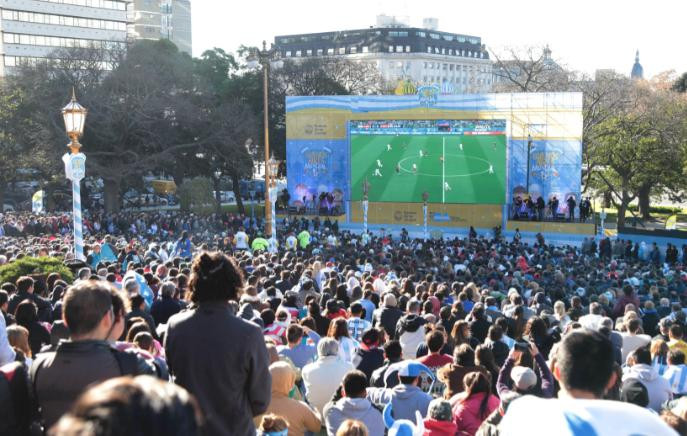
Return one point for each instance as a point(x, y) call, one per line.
point(425, 56)
point(32, 29)
point(169, 19)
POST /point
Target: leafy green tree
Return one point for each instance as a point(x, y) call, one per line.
point(680, 84)
point(195, 192)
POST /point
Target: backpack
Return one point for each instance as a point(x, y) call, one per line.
point(15, 400)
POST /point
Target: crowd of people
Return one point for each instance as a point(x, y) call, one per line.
point(179, 325)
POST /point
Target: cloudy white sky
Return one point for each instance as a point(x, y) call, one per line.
point(584, 34)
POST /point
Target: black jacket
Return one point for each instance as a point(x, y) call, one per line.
point(60, 377)
point(163, 308)
point(387, 317)
point(409, 323)
point(369, 360)
point(44, 306)
point(222, 360)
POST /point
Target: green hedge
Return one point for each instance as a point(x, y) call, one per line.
point(34, 265)
point(657, 209)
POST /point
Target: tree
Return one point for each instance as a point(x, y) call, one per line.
point(680, 84)
point(195, 192)
point(143, 113)
point(529, 69)
point(641, 151)
point(16, 155)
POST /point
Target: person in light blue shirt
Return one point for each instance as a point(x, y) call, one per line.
point(676, 373)
point(298, 349)
point(368, 305)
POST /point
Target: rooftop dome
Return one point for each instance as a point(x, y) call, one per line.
point(637, 70)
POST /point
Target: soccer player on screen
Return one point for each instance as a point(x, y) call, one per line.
point(388, 147)
point(491, 169)
point(398, 168)
point(422, 153)
point(377, 173)
point(379, 164)
point(447, 187)
point(414, 169)
point(460, 146)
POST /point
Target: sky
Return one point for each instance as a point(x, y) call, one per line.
point(584, 35)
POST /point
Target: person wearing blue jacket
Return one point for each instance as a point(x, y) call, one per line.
point(406, 397)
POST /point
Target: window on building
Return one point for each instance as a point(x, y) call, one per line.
point(353, 49)
point(448, 37)
point(288, 53)
point(436, 50)
point(391, 49)
point(429, 49)
point(308, 52)
point(434, 36)
point(320, 52)
point(407, 49)
point(445, 67)
point(330, 51)
point(298, 53)
point(421, 34)
point(342, 50)
point(396, 34)
point(443, 51)
point(399, 49)
point(366, 49)
point(450, 67)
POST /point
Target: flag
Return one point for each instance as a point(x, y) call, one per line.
point(671, 222)
point(37, 202)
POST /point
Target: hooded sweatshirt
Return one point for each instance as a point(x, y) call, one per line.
point(410, 334)
point(297, 414)
point(360, 409)
point(658, 388)
point(404, 399)
point(435, 427)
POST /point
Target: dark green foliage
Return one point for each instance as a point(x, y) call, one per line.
point(34, 265)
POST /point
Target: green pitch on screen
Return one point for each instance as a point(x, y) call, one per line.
point(451, 168)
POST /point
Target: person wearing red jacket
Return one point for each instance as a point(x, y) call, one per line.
point(439, 421)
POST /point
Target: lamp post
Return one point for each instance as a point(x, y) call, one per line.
point(425, 197)
point(273, 166)
point(366, 190)
point(264, 57)
point(218, 192)
point(75, 166)
point(529, 151)
point(252, 150)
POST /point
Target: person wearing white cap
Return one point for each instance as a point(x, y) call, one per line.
point(406, 398)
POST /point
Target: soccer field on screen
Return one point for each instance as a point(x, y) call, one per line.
point(451, 168)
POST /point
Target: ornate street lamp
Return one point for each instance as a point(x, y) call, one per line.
point(74, 119)
point(264, 57)
point(75, 166)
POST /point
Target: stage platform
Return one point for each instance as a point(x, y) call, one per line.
point(552, 227)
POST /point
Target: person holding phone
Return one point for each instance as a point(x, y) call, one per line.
point(522, 379)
